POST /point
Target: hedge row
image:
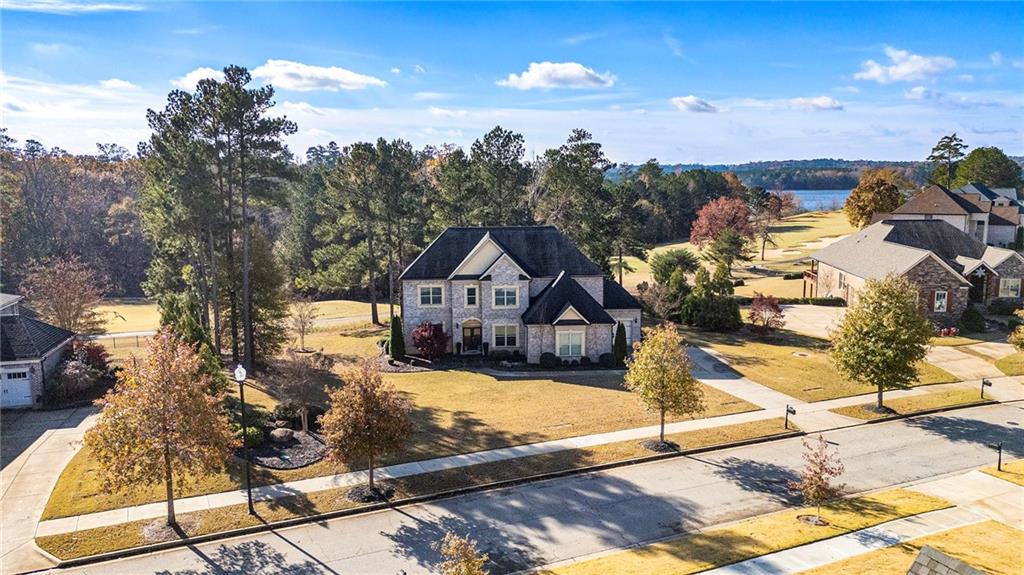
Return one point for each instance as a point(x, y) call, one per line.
point(822, 301)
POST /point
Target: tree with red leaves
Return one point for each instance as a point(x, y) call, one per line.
point(430, 340)
point(766, 314)
point(821, 466)
point(728, 213)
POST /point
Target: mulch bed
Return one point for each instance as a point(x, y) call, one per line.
point(659, 446)
point(302, 450)
point(363, 493)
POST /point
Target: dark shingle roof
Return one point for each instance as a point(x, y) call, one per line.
point(542, 251)
point(559, 295)
point(26, 338)
point(616, 297)
point(935, 200)
point(936, 236)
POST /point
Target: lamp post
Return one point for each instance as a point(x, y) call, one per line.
point(240, 378)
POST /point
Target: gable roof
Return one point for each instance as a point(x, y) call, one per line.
point(25, 338)
point(7, 300)
point(558, 296)
point(895, 246)
point(541, 251)
point(616, 297)
point(936, 200)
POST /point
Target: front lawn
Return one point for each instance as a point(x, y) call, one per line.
point(1012, 472)
point(1012, 364)
point(454, 411)
point(757, 536)
point(792, 363)
point(913, 404)
point(989, 546)
point(127, 535)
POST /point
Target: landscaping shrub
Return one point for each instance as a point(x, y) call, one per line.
point(1014, 322)
point(430, 340)
point(822, 301)
point(712, 313)
point(663, 264)
point(738, 283)
point(607, 360)
point(1002, 307)
point(396, 346)
point(574, 363)
point(254, 436)
point(72, 379)
point(972, 321)
point(501, 355)
point(793, 276)
point(94, 354)
point(766, 314)
point(619, 346)
point(549, 360)
point(585, 360)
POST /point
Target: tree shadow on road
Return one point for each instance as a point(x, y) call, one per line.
point(982, 433)
point(759, 477)
point(250, 558)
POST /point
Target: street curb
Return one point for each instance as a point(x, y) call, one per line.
point(366, 509)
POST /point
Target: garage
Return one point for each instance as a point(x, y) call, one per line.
point(15, 387)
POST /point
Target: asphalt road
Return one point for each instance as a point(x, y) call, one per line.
point(550, 521)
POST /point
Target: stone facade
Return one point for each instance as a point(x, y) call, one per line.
point(931, 277)
point(532, 340)
point(1012, 268)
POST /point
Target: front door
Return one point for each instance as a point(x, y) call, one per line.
point(471, 338)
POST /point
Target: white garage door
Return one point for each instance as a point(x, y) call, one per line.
point(16, 388)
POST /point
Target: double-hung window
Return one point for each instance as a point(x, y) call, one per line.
point(1009, 287)
point(431, 296)
point(506, 336)
point(471, 296)
point(506, 296)
point(941, 301)
point(570, 343)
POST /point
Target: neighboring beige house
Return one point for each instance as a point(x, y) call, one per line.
point(951, 268)
point(29, 351)
point(992, 217)
point(524, 289)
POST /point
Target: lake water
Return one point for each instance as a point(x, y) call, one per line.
point(817, 200)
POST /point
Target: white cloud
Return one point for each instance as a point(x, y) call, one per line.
point(430, 96)
point(68, 7)
point(396, 70)
point(817, 103)
point(692, 103)
point(118, 84)
point(996, 58)
point(920, 93)
point(546, 75)
point(300, 108)
point(904, 67)
point(582, 38)
point(190, 80)
point(41, 49)
point(197, 31)
point(673, 44)
point(849, 89)
point(289, 75)
point(445, 113)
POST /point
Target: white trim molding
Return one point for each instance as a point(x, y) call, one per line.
point(570, 332)
point(476, 295)
point(494, 335)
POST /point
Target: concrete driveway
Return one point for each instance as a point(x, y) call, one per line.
point(35, 446)
point(814, 320)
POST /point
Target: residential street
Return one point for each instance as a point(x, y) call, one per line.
point(550, 521)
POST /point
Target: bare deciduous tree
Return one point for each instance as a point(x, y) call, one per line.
point(299, 380)
point(65, 292)
point(304, 314)
point(821, 466)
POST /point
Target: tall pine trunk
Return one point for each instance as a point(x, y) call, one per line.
point(247, 330)
point(215, 296)
point(372, 256)
point(620, 265)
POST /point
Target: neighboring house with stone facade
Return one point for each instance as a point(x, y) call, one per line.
point(950, 268)
point(29, 351)
point(523, 289)
point(993, 217)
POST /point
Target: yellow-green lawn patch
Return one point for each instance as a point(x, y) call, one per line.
point(757, 536)
point(1012, 472)
point(990, 546)
point(913, 404)
point(123, 536)
point(1012, 364)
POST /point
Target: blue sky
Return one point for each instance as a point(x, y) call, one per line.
point(728, 82)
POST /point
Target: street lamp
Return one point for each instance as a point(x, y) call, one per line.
point(240, 378)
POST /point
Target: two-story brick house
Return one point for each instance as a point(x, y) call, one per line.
point(525, 289)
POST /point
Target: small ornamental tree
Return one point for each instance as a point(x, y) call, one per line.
point(883, 336)
point(619, 345)
point(430, 340)
point(726, 213)
point(303, 317)
point(821, 467)
point(460, 557)
point(299, 380)
point(368, 419)
point(160, 422)
point(397, 342)
point(664, 263)
point(766, 314)
point(65, 292)
point(660, 374)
